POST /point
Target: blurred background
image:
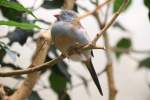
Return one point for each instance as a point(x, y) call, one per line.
point(131, 70)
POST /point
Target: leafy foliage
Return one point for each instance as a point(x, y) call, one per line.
point(59, 78)
point(58, 82)
point(123, 43)
point(34, 96)
point(9, 91)
point(22, 25)
point(5, 49)
point(16, 6)
point(14, 12)
point(145, 62)
point(52, 4)
point(11, 14)
point(2, 51)
point(149, 14)
point(120, 26)
point(19, 35)
point(147, 4)
point(118, 3)
point(64, 96)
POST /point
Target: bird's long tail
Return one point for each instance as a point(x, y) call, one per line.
point(91, 69)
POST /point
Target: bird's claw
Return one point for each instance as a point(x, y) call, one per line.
point(76, 49)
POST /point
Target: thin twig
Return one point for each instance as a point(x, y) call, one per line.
point(48, 64)
point(130, 50)
point(109, 66)
point(33, 69)
point(106, 14)
point(110, 22)
point(92, 12)
point(39, 67)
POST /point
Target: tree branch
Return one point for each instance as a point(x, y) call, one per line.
point(123, 50)
point(69, 4)
point(33, 69)
point(26, 87)
point(109, 66)
point(92, 12)
point(56, 60)
point(89, 46)
point(110, 22)
point(43, 66)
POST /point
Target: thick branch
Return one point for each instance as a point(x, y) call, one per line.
point(26, 87)
point(109, 70)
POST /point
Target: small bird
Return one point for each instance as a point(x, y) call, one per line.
point(67, 34)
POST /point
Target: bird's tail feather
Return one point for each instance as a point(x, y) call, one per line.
point(91, 69)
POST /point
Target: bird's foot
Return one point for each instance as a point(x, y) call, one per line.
point(76, 49)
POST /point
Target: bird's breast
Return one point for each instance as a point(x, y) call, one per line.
point(65, 36)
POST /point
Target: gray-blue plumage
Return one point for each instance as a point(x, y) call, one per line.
point(74, 34)
point(66, 34)
point(69, 30)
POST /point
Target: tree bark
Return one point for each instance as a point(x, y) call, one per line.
point(25, 89)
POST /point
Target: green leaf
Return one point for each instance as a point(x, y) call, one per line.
point(9, 91)
point(120, 26)
point(52, 4)
point(3, 45)
point(34, 96)
point(58, 82)
point(145, 62)
point(26, 26)
point(124, 43)
point(16, 6)
point(12, 14)
point(147, 3)
point(64, 96)
point(2, 51)
point(118, 3)
point(149, 15)
point(5, 49)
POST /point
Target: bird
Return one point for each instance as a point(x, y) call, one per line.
point(67, 34)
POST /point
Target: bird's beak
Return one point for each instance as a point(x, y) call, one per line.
point(56, 16)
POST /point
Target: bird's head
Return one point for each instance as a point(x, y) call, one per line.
point(66, 15)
